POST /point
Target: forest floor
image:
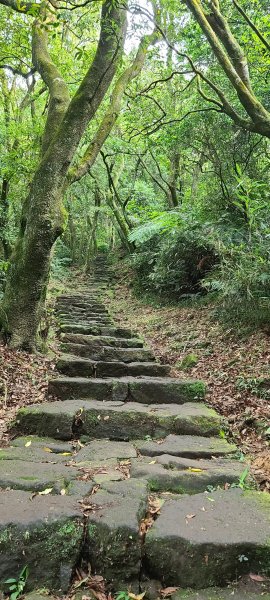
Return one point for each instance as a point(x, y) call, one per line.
point(23, 376)
point(229, 364)
point(23, 380)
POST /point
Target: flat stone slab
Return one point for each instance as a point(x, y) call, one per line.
point(34, 455)
point(102, 450)
point(116, 420)
point(29, 477)
point(44, 533)
point(186, 446)
point(209, 538)
point(32, 442)
point(185, 476)
point(152, 390)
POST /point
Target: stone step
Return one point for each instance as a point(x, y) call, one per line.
point(116, 420)
point(61, 472)
point(208, 539)
point(86, 322)
point(44, 533)
point(101, 340)
point(83, 316)
point(109, 354)
point(71, 311)
point(78, 309)
point(80, 305)
point(152, 390)
point(75, 366)
point(166, 473)
point(86, 329)
point(35, 478)
point(95, 353)
point(186, 447)
point(81, 299)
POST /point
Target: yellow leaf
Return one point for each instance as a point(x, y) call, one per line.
point(66, 453)
point(153, 462)
point(45, 492)
point(28, 444)
point(63, 492)
point(195, 470)
point(47, 450)
point(136, 596)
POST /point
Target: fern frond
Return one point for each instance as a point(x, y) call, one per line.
point(163, 222)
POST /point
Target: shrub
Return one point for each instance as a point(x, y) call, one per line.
point(174, 263)
point(243, 282)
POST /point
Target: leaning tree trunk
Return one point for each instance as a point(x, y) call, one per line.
point(43, 217)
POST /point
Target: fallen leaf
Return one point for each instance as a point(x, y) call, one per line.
point(193, 470)
point(258, 578)
point(168, 591)
point(63, 492)
point(190, 516)
point(47, 449)
point(45, 492)
point(66, 453)
point(136, 596)
point(28, 444)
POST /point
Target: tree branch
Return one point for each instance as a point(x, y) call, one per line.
point(22, 7)
point(259, 115)
point(59, 95)
point(113, 111)
point(221, 28)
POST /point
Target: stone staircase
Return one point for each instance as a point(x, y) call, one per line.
point(116, 430)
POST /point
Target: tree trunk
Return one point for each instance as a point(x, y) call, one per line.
point(4, 219)
point(43, 217)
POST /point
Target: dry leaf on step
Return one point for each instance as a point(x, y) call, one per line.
point(168, 591)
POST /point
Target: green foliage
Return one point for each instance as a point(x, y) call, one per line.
point(243, 280)
point(174, 263)
point(189, 361)
point(61, 261)
point(16, 586)
point(122, 596)
point(259, 386)
point(243, 482)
